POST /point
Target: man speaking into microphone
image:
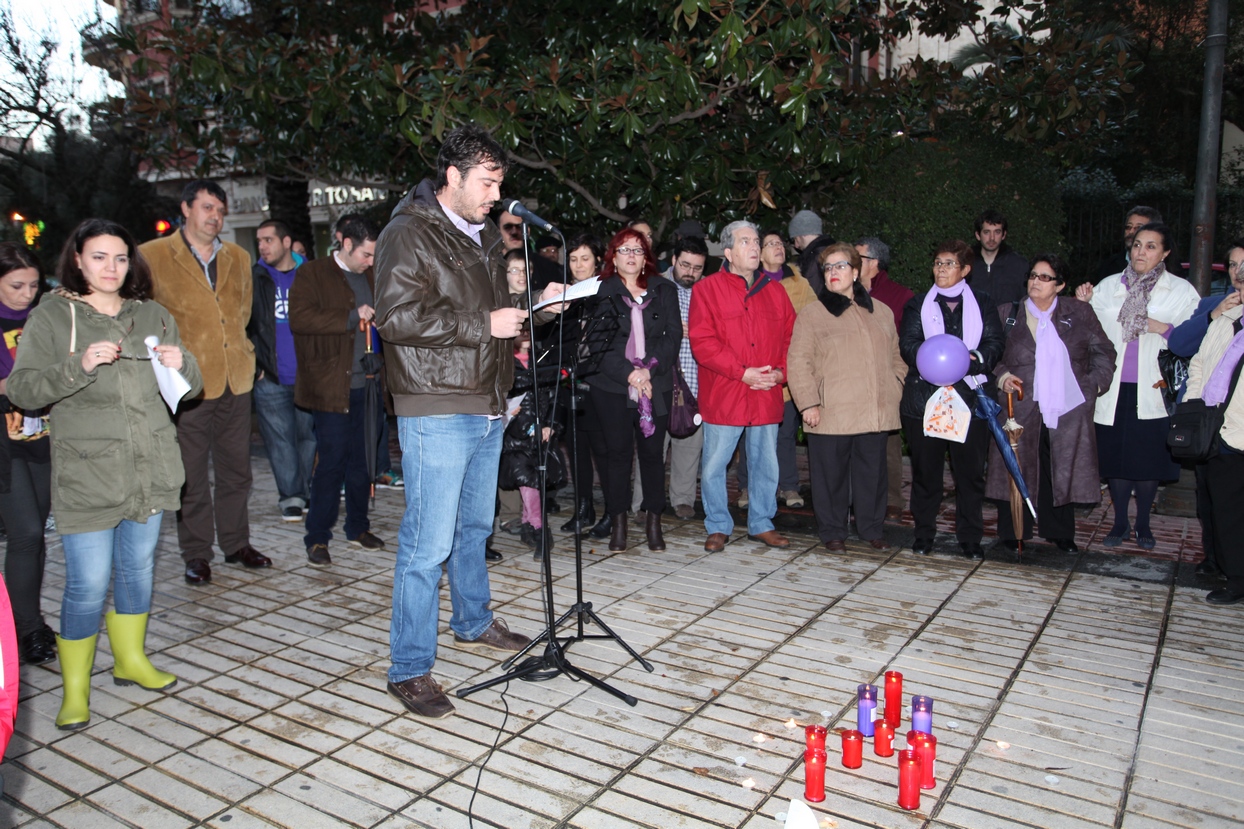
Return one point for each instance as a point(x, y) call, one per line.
point(443, 310)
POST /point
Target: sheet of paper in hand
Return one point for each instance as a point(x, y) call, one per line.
point(173, 386)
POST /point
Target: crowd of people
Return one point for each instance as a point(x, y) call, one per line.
point(795, 331)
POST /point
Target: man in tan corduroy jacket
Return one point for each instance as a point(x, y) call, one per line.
point(206, 284)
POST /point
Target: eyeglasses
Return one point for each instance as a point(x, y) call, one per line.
point(862, 256)
point(1043, 277)
point(509, 271)
point(841, 267)
point(512, 227)
point(128, 331)
point(682, 266)
point(946, 264)
point(631, 251)
point(775, 244)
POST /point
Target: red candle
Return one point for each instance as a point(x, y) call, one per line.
point(883, 738)
point(893, 698)
point(852, 749)
point(814, 735)
point(908, 779)
point(926, 750)
point(814, 774)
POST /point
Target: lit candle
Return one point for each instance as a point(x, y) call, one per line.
point(814, 775)
point(814, 735)
point(866, 704)
point(922, 714)
point(926, 750)
point(883, 738)
point(908, 779)
point(852, 749)
point(893, 698)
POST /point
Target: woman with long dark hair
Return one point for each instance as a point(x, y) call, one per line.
point(25, 466)
point(114, 448)
point(632, 383)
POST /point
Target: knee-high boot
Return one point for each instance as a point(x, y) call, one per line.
point(77, 657)
point(127, 633)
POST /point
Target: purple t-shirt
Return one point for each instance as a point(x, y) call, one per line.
point(286, 362)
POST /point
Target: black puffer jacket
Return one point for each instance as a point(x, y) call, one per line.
point(435, 290)
point(520, 446)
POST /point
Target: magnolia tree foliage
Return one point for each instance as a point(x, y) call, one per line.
point(610, 110)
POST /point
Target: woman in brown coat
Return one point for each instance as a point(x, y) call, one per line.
point(846, 378)
point(1059, 354)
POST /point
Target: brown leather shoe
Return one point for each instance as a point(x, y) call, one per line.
point(617, 538)
point(421, 696)
point(772, 538)
point(656, 541)
point(881, 545)
point(198, 571)
point(716, 542)
point(835, 546)
point(248, 556)
point(496, 637)
point(893, 513)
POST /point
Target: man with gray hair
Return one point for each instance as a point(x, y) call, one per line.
point(875, 277)
point(740, 324)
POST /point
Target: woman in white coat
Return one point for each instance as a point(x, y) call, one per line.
point(1138, 309)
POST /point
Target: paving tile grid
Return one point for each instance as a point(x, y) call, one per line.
point(1079, 699)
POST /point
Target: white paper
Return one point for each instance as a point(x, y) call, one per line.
point(578, 290)
point(799, 816)
point(511, 409)
point(173, 386)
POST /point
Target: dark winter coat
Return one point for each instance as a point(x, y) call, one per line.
point(521, 445)
point(662, 337)
point(916, 391)
point(1073, 445)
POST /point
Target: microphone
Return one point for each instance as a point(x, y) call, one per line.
point(518, 209)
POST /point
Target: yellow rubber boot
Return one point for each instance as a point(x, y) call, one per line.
point(127, 633)
point(77, 657)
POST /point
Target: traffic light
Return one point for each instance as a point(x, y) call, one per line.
point(163, 226)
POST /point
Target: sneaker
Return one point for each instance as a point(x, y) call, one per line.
point(367, 541)
point(422, 697)
point(317, 555)
point(742, 502)
point(390, 480)
point(497, 637)
point(792, 498)
point(291, 514)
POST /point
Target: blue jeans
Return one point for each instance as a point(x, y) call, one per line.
point(289, 439)
point(788, 471)
point(762, 470)
point(124, 555)
point(339, 440)
point(450, 466)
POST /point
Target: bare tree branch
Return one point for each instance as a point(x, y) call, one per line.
point(595, 203)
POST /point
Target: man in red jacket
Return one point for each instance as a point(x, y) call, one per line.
point(740, 324)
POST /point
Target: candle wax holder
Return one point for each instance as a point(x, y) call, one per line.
point(893, 699)
point(908, 780)
point(883, 738)
point(922, 714)
point(814, 737)
point(814, 760)
point(852, 749)
point(926, 750)
point(866, 705)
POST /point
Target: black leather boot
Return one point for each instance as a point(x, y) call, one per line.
point(603, 527)
point(617, 540)
point(583, 517)
point(656, 541)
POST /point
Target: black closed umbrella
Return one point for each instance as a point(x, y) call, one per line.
point(373, 403)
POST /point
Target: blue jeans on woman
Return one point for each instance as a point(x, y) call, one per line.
point(123, 556)
point(450, 464)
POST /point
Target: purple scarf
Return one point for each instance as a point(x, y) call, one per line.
point(6, 359)
point(932, 322)
point(1054, 383)
point(636, 350)
point(1219, 384)
point(1134, 315)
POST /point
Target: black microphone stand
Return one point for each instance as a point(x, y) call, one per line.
point(552, 661)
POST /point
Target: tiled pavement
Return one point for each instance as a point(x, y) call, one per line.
point(1081, 699)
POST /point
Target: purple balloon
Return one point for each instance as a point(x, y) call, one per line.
point(943, 360)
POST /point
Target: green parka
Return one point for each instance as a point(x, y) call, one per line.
point(114, 446)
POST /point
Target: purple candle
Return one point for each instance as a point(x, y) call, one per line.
point(865, 708)
point(922, 714)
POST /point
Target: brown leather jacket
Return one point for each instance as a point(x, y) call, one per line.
point(323, 318)
point(435, 291)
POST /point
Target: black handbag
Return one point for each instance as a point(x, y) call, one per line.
point(684, 410)
point(1193, 436)
point(1174, 372)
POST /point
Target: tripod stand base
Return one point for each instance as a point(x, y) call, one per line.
point(550, 664)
